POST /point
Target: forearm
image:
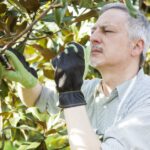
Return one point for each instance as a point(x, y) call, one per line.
point(29, 96)
point(81, 134)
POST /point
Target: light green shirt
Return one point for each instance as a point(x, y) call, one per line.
point(131, 129)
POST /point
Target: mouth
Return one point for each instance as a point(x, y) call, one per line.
point(96, 49)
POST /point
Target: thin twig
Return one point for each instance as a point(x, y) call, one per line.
point(30, 27)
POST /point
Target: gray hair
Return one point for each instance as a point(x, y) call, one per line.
point(138, 28)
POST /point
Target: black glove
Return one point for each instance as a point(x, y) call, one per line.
point(69, 69)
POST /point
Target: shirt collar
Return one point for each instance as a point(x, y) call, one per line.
point(121, 89)
point(113, 94)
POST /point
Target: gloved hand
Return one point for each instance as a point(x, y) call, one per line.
point(24, 62)
point(69, 70)
point(19, 74)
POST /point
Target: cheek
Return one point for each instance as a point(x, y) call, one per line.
point(116, 53)
point(117, 47)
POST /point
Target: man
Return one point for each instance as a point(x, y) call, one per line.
point(117, 107)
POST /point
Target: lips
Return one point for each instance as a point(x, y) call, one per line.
point(96, 49)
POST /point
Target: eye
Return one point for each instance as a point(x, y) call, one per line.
point(107, 31)
point(92, 31)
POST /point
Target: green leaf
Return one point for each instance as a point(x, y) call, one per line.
point(4, 89)
point(60, 13)
point(3, 8)
point(29, 146)
point(33, 145)
point(131, 9)
point(29, 50)
point(9, 146)
point(101, 4)
point(19, 28)
point(53, 120)
point(49, 18)
point(86, 3)
point(20, 48)
point(17, 4)
point(14, 121)
point(45, 52)
point(30, 5)
point(26, 127)
point(75, 8)
point(11, 22)
point(23, 147)
point(49, 73)
point(147, 2)
point(35, 112)
point(56, 142)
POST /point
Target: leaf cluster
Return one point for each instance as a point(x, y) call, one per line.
point(27, 128)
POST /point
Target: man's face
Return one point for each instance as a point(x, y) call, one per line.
point(109, 39)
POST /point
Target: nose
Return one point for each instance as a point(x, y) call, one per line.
point(95, 36)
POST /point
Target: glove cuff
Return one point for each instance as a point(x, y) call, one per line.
point(71, 99)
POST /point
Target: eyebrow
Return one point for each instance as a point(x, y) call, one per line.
point(103, 26)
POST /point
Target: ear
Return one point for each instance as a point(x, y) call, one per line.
point(137, 47)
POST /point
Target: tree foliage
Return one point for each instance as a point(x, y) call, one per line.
point(40, 29)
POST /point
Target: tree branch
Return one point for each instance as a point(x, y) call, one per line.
point(30, 27)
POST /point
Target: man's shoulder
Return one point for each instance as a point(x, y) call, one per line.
point(145, 81)
point(90, 85)
point(143, 86)
point(91, 82)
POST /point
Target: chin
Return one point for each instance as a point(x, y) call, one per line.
point(95, 64)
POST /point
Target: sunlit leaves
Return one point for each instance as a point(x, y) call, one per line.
point(29, 145)
point(3, 8)
point(11, 22)
point(28, 128)
point(4, 89)
point(86, 3)
point(57, 142)
point(45, 52)
point(30, 5)
point(147, 2)
point(60, 12)
point(131, 9)
point(35, 112)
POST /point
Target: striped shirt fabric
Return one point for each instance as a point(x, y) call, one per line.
point(125, 129)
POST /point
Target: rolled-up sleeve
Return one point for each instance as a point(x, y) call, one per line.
point(48, 100)
point(132, 133)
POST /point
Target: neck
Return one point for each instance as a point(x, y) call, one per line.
point(114, 76)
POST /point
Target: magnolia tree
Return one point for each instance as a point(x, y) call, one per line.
point(40, 29)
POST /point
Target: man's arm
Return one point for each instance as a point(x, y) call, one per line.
point(26, 77)
point(70, 66)
point(29, 96)
point(81, 134)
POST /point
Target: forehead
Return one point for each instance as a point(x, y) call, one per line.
point(114, 17)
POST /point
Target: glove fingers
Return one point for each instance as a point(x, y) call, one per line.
point(14, 60)
point(8, 74)
point(73, 51)
point(23, 61)
point(69, 68)
point(77, 48)
point(11, 75)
